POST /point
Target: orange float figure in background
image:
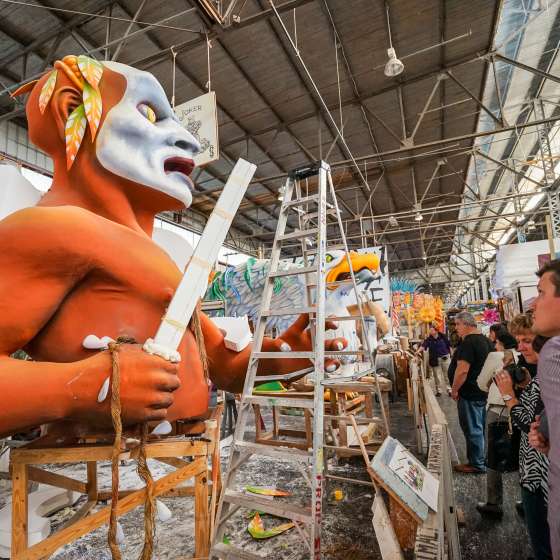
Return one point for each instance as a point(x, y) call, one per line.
point(82, 261)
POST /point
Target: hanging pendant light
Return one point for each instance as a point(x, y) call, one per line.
point(394, 66)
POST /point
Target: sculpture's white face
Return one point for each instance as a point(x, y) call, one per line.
point(142, 140)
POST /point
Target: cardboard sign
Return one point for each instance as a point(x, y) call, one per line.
point(200, 117)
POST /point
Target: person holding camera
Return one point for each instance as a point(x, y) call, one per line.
point(438, 348)
point(524, 403)
point(496, 411)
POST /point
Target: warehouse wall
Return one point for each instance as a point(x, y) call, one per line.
point(15, 144)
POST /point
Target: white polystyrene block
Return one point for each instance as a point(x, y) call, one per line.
point(237, 334)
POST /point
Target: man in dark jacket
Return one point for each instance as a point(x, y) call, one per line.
point(438, 348)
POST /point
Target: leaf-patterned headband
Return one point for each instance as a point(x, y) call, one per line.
point(85, 73)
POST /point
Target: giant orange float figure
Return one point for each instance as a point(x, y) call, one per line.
point(82, 262)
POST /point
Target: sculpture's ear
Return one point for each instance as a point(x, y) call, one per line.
point(63, 102)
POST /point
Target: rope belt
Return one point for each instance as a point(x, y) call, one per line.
point(142, 464)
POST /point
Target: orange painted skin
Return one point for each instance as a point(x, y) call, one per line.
point(82, 262)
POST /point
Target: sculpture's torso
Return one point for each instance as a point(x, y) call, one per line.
point(127, 287)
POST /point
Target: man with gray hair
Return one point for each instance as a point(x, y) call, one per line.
point(471, 401)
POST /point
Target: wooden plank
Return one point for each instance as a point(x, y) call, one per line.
point(92, 481)
point(201, 515)
point(384, 531)
point(19, 510)
point(95, 520)
point(79, 453)
point(54, 479)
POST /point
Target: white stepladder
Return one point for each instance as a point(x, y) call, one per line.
point(312, 211)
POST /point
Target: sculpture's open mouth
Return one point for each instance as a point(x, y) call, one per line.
point(181, 165)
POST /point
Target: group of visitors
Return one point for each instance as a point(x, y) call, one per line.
point(507, 389)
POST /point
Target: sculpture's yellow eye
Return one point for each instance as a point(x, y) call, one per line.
point(148, 112)
point(328, 258)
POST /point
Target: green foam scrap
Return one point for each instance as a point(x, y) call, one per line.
point(271, 386)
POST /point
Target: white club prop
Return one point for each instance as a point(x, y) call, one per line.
point(194, 281)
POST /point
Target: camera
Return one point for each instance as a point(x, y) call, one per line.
point(517, 373)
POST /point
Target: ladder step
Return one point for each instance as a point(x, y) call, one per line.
point(298, 234)
point(292, 271)
point(286, 402)
point(276, 451)
point(284, 376)
point(288, 311)
point(281, 509)
point(284, 355)
point(302, 200)
point(229, 552)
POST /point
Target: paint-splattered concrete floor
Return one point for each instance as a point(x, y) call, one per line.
point(347, 529)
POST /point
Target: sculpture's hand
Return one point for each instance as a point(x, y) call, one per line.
point(147, 384)
point(297, 337)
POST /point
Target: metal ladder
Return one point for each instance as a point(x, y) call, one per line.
point(309, 463)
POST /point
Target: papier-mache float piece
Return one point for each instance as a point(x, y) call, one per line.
point(80, 269)
point(241, 289)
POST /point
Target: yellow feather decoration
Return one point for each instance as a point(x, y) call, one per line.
point(47, 91)
point(93, 108)
point(91, 70)
point(74, 133)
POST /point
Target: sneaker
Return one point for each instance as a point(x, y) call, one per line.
point(484, 508)
point(467, 469)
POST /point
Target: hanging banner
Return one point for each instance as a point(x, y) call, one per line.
point(200, 117)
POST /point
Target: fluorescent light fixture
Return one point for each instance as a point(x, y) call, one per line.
point(394, 66)
point(507, 236)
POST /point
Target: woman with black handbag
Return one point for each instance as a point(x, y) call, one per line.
point(533, 465)
point(502, 442)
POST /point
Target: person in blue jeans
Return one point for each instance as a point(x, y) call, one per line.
point(471, 401)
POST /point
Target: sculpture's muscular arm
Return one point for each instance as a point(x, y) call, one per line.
point(228, 368)
point(38, 267)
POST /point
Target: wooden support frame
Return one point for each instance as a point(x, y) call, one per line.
point(24, 467)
